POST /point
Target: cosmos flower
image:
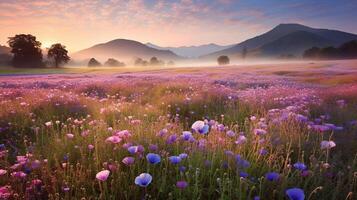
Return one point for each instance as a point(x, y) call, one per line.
point(175, 159)
point(153, 158)
point(2, 172)
point(300, 166)
point(113, 139)
point(231, 133)
point(241, 139)
point(327, 144)
point(200, 127)
point(70, 136)
point(295, 194)
point(128, 160)
point(259, 132)
point(181, 184)
point(143, 180)
point(102, 175)
point(90, 146)
point(272, 176)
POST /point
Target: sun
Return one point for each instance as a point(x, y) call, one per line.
point(47, 43)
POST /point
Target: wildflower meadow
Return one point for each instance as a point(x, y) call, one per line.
point(190, 133)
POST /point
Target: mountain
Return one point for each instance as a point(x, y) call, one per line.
point(192, 51)
point(123, 50)
point(287, 39)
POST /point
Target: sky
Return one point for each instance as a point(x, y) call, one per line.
point(84, 23)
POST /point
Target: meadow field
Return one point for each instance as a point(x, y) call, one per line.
point(252, 131)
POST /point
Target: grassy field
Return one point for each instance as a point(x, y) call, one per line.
point(260, 131)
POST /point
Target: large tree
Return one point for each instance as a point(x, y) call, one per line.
point(223, 60)
point(27, 51)
point(59, 54)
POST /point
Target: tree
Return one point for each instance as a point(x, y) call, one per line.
point(26, 50)
point(223, 60)
point(349, 49)
point(113, 63)
point(58, 54)
point(170, 63)
point(312, 53)
point(140, 62)
point(156, 62)
point(93, 63)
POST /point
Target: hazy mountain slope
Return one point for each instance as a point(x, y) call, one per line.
point(123, 50)
point(192, 51)
point(293, 43)
point(326, 37)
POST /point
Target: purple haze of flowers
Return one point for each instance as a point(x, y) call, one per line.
point(300, 166)
point(143, 180)
point(295, 194)
point(181, 184)
point(272, 176)
point(175, 159)
point(153, 158)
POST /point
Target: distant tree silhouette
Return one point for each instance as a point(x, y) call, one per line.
point(223, 60)
point(170, 63)
point(113, 63)
point(26, 51)
point(93, 63)
point(312, 53)
point(5, 59)
point(244, 52)
point(59, 54)
point(140, 62)
point(156, 62)
point(347, 50)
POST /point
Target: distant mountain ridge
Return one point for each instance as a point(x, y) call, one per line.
point(287, 39)
point(123, 50)
point(192, 51)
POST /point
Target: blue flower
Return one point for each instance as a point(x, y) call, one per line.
point(295, 194)
point(187, 135)
point(175, 159)
point(241, 162)
point(200, 127)
point(183, 155)
point(272, 176)
point(143, 180)
point(133, 149)
point(153, 158)
point(243, 174)
point(300, 166)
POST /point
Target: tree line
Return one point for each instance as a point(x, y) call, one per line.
point(347, 50)
point(27, 52)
